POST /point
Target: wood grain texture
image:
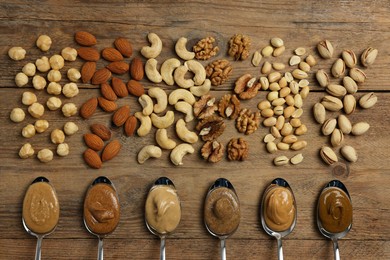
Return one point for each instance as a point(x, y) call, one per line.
point(300, 23)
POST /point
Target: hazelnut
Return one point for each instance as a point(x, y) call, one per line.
point(44, 42)
point(69, 109)
point(43, 64)
point(26, 151)
point(70, 90)
point(17, 53)
point(69, 54)
point(28, 131)
point(45, 155)
point(70, 128)
point(17, 115)
point(28, 98)
point(29, 69)
point(54, 76)
point(63, 149)
point(57, 136)
point(36, 110)
point(54, 88)
point(21, 79)
point(41, 125)
point(56, 62)
point(54, 103)
point(74, 74)
point(39, 82)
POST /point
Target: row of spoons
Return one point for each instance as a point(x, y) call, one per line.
point(163, 211)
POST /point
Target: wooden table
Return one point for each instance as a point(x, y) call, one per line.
point(347, 24)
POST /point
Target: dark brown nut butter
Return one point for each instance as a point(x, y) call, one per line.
point(335, 210)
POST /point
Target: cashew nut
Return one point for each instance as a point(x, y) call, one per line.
point(185, 134)
point(167, 69)
point(147, 152)
point(197, 68)
point(182, 51)
point(146, 124)
point(201, 90)
point(155, 49)
point(162, 99)
point(185, 108)
point(146, 103)
point(178, 153)
point(181, 94)
point(163, 121)
point(152, 72)
point(179, 76)
point(163, 140)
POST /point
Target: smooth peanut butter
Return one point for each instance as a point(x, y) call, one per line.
point(279, 210)
point(222, 211)
point(335, 210)
point(101, 209)
point(41, 210)
point(162, 209)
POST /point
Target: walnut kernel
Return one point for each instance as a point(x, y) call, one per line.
point(213, 151)
point(211, 127)
point(247, 87)
point(248, 122)
point(218, 71)
point(205, 107)
point(239, 46)
point(205, 49)
point(238, 149)
point(229, 106)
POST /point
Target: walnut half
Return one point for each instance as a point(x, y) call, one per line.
point(205, 107)
point(205, 49)
point(247, 87)
point(211, 127)
point(248, 122)
point(218, 71)
point(229, 106)
point(213, 151)
point(239, 46)
point(238, 149)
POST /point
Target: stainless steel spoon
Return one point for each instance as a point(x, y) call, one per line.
point(168, 182)
point(221, 182)
point(334, 236)
point(38, 236)
point(278, 235)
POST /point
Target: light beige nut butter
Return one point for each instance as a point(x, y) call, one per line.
point(335, 210)
point(279, 210)
point(162, 209)
point(41, 210)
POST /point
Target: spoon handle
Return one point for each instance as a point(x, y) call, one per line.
point(38, 248)
point(100, 249)
point(223, 249)
point(336, 249)
point(280, 248)
point(162, 248)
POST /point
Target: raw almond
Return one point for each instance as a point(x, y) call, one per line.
point(85, 38)
point(118, 67)
point(135, 88)
point(88, 54)
point(108, 92)
point(112, 54)
point(102, 131)
point(101, 76)
point(121, 115)
point(107, 105)
point(130, 125)
point(137, 69)
point(87, 71)
point(88, 108)
point(93, 141)
point(119, 87)
point(111, 150)
point(123, 46)
point(92, 159)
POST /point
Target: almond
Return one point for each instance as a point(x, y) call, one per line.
point(137, 69)
point(93, 141)
point(85, 38)
point(102, 131)
point(123, 46)
point(112, 54)
point(118, 67)
point(108, 92)
point(88, 54)
point(92, 159)
point(88, 108)
point(101, 76)
point(87, 71)
point(119, 87)
point(111, 150)
point(107, 105)
point(121, 115)
point(135, 88)
point(130, 125)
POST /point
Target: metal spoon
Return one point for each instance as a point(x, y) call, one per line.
point(278, 235)
point(168, 182)
point(334, 236)
point(38, 236)
point(221, 182)
point(105, 180)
